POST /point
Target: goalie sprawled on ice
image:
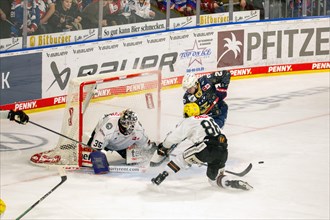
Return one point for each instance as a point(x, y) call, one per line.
point(118, 131)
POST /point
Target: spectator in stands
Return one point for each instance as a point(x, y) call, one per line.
point(67, 17)
point(114, 15)
point(313, 8)
point(295, 8)
point(3, 15)
point(254, 5)
point(90, 15)
point(82, 4)
point(5, 6)
point(159, 14)
point(211, 6)
point(161, 4)
point(182, 6)
point(47, 9)
point(142, 11)
point(33, 17)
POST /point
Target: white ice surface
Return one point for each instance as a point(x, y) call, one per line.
point(282, 120)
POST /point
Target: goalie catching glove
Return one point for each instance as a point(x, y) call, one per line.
point(18, 116)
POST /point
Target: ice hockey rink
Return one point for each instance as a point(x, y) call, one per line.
point(281, 120)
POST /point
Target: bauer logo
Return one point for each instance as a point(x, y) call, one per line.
point(62, 75)
point(58, 76)
point(230, 48)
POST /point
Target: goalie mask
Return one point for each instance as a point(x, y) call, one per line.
point(127, 121)
point(191, 109)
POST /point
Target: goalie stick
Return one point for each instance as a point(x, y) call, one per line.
point(63, 179)
point(78, 142)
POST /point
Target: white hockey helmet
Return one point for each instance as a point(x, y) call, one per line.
point(189, 80)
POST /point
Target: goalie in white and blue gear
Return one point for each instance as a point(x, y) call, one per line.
point(119, 131)
point(208, 146)
point(208, 92)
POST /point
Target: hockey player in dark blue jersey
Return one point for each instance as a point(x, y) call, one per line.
point(208, 92)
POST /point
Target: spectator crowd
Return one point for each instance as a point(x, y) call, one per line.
point(52, 16)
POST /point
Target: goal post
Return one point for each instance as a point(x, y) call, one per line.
point(90, 97)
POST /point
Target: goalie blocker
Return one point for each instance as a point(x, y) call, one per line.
point(100, 162)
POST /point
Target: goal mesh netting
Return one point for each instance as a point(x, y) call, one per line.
point(90, 97)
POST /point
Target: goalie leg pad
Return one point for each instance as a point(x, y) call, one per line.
point(44, 158)
point(86, 156)
point(135, 155)
point(100, 162)
point(189, 155)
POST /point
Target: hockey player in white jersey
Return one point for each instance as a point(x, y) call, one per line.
point(118, 131)
point(209, 146)
point(18, 116)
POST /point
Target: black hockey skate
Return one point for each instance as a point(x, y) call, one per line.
point(160, 178)
point(238, 184)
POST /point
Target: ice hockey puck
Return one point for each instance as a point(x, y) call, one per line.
point(260, 162)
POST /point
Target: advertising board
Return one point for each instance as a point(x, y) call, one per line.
point(246, 50)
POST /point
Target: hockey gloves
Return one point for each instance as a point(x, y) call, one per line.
point(161, 154)
point(18, 116)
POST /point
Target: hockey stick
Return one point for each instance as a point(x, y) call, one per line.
point(59, 134)
point(212, 105)
point(63, 179)
point(243, 173)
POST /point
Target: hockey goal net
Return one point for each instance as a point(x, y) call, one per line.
point(89, 98)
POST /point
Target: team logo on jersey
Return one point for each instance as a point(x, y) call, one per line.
point(230, 48)
point(206, 87)
point(108, 126)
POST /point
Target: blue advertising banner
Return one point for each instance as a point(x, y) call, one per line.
point(20, 78)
